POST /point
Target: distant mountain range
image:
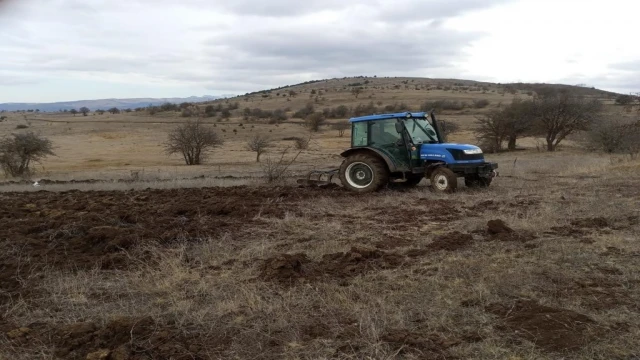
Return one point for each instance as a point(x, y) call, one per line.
point(105, 104)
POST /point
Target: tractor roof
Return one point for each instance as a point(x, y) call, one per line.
point(388, 116)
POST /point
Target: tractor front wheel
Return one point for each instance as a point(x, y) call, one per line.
point(364, 173)
point(443, 180)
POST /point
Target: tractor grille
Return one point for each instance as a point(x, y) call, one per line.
point(460, 155)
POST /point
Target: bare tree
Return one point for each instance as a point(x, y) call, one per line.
point(492, 130)
point(560, 114)
point(73, 111)
point(84, 110)
point(19, 152)
point(520, 120)
point(259, 143)
point(114, 110)
point(341, 127)
point(192, 140)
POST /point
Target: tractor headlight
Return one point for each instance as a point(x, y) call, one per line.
point(472, 151)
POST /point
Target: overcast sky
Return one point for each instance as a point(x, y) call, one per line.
point(57, 50)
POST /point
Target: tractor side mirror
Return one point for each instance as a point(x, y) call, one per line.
point(399, 127)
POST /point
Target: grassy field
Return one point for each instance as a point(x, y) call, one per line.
point(115, 146)
point(544, 264)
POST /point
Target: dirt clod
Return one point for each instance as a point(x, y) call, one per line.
point(341, 265)
point(452, 241)
point(498, 227)
point(498, 230)
point(284, 267)
point(551, 329)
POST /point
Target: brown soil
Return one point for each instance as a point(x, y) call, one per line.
point(120, 339)
point(451, 241)
point(80, 230)
point(551, 329)
point(287, 268)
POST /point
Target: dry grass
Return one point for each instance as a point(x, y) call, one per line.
point(430, 305)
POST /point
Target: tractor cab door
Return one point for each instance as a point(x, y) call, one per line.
point(384, 136)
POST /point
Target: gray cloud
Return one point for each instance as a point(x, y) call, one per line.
point(239, 46)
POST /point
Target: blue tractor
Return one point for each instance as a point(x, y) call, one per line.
point(403, 148)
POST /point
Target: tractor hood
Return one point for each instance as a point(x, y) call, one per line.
point(451, 153)
point(450, 146)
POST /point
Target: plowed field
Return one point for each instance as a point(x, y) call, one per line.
point(287, 272)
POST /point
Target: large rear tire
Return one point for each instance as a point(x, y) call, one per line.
point(364, 173)
point(443, 180)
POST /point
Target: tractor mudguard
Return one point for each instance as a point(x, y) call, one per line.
point(390, 164)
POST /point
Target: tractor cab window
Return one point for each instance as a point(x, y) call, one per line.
point(421, 131)
point(359, 134)
point(384, 132)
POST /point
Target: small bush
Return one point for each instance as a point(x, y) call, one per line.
point(301, 143)
point(275, 169)
point(314, 121)
point(341, 127)
point(19, 152)
point(443, 105)
point(481, 104)
point(22, 126)
point(304, 112)
point(615, 135)
point(624, 100)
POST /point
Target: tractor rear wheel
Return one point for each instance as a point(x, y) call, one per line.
point(443, 180)
point(475, 181)
point(364, 173)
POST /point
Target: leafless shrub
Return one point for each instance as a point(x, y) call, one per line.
point(341, 127)
point(301, 143)
point(275, 169)
point(192, 140)
point(615, 135)
point(22, 126)
point(481, 104)
point(259, 144)
point(18, 152)
point(491, 131)
point(314, 121)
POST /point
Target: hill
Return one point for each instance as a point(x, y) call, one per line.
point(102, 103)
point(401, 93)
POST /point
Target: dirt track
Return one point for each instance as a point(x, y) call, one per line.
point(77, 231)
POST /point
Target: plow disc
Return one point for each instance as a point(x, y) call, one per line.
point(321, 178)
